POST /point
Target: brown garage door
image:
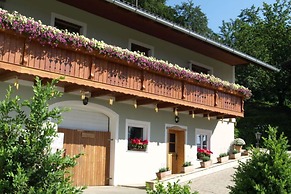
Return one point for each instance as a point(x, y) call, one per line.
point(92, 168)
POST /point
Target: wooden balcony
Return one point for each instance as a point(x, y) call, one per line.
point(104, 76)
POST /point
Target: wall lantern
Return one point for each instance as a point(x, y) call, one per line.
point(177, 119)
point(85, 100)
point(258, 137)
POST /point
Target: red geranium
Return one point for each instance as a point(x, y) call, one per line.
point(138, 143)
point(203, 152)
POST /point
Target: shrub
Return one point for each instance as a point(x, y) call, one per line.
point(27, 164)
point(170, 188)
point(268, 170)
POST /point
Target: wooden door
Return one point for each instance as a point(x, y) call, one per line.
point(92, 167)
point(176, 141)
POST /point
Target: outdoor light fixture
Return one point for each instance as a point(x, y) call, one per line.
point(156, 108)
point(258, 137)
point(176, 111)
point(111, 101)
point(208, 117)
point(193, 114)
point(85, 100)
point(135, 104)
point(177, 119)
point(84, 96)
point(16, 84)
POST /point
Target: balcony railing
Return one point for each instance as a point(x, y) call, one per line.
point(114, 75)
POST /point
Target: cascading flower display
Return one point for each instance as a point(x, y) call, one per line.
point(48, 35)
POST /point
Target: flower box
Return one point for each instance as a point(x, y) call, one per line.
point(222, 159)
point(234, 156)
point(162, 175)
point(137, 144)
point(187, 169)
point(205, 164)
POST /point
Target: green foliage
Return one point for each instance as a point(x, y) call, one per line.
point(205, 158)
point(187, 14)
point(223, 155)
point(26, 133)
point(164, 169)
point(268, 171)
point(234, 151)
point(187, 164)
point(174, 188)
point(259, 115)
point(264, 33)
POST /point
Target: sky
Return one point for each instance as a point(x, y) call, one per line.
point(219, 10)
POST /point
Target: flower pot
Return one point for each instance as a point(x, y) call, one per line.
point(234, 156)
point(162, 175)
point(238, 147)
point(187, 169)
point(205, 164)
point(245, 153)
point(222, 159)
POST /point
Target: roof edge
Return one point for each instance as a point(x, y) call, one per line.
point(192, 33)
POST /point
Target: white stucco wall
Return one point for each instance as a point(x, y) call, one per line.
point(133, 167)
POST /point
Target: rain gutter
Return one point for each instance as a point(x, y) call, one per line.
point(191, 33)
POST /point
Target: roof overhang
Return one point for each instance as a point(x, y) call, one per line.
point(148, 23)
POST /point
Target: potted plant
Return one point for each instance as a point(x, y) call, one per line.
point(246, 151)
point(238, 143)
point(163, 172)
point(206, 162)
point(187, 167)
point(203, 152)
point(223, 157)
point(234, 154)
point(138, 144)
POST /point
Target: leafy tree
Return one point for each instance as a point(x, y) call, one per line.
point(27, 164)
point(186, 15)
point(265, 34)
point(192, 17)
point(157, 7)
point(268, 170)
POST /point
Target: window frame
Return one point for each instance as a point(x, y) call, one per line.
point(150, 47)
point(203, 132)
point(191, 63)
point(83, 30)
point(140, 124)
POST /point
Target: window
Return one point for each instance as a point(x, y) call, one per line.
point(203, 138)
point(141, 47)
point(137, 135)
point(199, 68)
point(62, 22)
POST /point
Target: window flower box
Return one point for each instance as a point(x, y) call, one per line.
point(137, 144)
point(234, 154)
point(163, 172)
point(187, 167)
point(222, 158)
